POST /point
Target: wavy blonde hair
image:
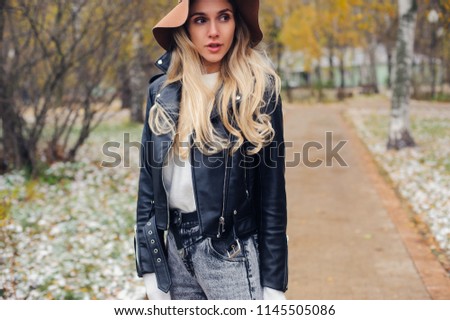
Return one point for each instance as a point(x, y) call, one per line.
point(248, 122)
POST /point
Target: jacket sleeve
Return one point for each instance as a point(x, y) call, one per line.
point(145, 202)
point(273, 212)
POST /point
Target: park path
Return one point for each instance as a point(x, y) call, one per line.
point(349, 237)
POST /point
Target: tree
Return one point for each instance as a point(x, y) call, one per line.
point(56, 57)
point(377, 27)
point(346, 26)
point(274, 14)
point(432, 45)
point(399, 131)
point(302, 32)
point(139, 50)
point(317, 24)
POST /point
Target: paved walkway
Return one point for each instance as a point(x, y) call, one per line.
point(347, 237)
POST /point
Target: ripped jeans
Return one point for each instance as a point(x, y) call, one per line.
point(212, 269)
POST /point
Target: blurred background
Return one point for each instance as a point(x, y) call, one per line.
point(74, 76)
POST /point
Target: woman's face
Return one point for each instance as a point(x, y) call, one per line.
point(211, 28)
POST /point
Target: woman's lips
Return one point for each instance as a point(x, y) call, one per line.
point(214, 48)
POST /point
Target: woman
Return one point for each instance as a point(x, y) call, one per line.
point(211, 215)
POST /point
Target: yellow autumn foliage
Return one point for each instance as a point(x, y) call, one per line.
point(313, 25)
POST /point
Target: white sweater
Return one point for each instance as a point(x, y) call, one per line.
point(177, 172)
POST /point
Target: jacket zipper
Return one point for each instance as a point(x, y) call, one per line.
point(194, 183)
point(246, 182)
point(221, 228)
point(164, 185)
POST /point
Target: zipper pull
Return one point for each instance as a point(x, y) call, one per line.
point(221, 226)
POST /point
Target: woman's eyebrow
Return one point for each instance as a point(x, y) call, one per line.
point(204, 14)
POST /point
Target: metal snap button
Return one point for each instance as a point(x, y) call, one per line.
point(152, 241)
point(158, 260)
point(150, 232)
point(235, 212)
point(160, 62)
point(155, 251)
point(149, 223)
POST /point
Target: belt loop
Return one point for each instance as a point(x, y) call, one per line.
point(178, 217)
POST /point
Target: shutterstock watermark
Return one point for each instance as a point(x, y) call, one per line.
point(331, 151)
point(292, 155)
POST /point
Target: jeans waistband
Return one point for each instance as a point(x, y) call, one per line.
point(185, 228)
point(177, 217)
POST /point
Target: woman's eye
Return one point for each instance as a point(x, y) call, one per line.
point(225, 17)
point(199, 20)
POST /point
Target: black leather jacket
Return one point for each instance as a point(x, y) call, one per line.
point(240, 191)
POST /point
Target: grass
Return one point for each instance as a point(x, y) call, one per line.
point(430, 135)
point(69, 232)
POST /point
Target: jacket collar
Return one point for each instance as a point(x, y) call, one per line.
point(169, 98)
point(163, 62)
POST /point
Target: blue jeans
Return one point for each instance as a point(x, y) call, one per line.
point(203, 270)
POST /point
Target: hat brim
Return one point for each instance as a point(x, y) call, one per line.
point(248, 9)
point(162, 31)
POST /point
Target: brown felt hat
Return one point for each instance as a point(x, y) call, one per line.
point(248, 10)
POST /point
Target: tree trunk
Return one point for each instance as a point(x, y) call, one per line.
point(319, 82)
point(341, 91)
point(84, 134)
point(138, 98)
point(373, 64)
point(446, 74)
point(137, 81)
point(279, 56)
point(389, 66)
point(126, 95)
point(419, 77)
point(433, 73)
point(342, 71)
point(415, 84)
point(5, 153)
point(399, 132)
point(289, 95)
point(442, 76)
point(433, 61)
point(331, 71)
point(16, 153)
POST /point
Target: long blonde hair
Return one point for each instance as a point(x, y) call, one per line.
point(240, 64)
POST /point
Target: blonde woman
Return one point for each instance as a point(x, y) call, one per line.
point(211, 215)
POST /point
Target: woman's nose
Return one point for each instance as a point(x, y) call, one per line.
point(213, 30)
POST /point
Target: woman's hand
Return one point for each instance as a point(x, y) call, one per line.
point(151, 286)
point(272, 294)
